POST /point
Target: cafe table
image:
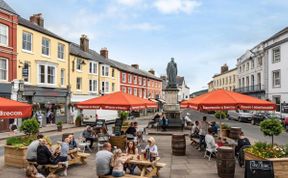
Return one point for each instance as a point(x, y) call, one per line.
point(146, 167)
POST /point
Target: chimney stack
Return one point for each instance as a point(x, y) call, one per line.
point(104, 52)
point(37, 19)
point(136, 66)
point(152, 71)
point(224, 68)
point(84, 43)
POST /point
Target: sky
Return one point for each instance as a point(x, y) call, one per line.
point(201, 35)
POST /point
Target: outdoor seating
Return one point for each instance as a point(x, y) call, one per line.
point(118, 141)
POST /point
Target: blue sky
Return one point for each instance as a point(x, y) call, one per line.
point(201, 35)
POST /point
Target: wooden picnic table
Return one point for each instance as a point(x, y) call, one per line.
point(146, 167)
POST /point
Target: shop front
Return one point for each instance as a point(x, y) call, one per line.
point(52, 102)
point(5, 92)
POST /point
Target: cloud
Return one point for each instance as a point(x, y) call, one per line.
point(176, 6)
point(129, 2)
point(145, 26)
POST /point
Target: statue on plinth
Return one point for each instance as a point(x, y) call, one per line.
point(171, 74)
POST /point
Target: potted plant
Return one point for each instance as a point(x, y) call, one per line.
point(278, 154)
point(59, 126)
point(225, 129)
point(16, 147)
point(78, 121)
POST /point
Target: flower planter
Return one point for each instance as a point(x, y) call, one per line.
point(14, 156)
point(280, 165)
point(59, 128)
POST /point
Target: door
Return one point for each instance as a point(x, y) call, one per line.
point(4, 125)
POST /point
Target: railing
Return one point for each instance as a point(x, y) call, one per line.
point(248, 89)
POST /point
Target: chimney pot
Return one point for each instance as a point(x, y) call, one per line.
point(136, 66)
point(152, 71)
point(84, 43)
point(37, 19)
point(104, 52)
point(224, 68)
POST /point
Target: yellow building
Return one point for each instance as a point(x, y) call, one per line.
point(42, 63)
point(225, 80)
point(91, 74)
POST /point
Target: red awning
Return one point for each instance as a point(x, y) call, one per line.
point(117, 101)
point(14, 109)
point(227, 100)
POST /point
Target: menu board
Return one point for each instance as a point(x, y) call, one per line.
point(118, 126)
point(100, 123)
point(259, 169)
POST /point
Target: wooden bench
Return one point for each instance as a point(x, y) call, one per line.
point(79, 158)
point(125, 176)
point(159, 166)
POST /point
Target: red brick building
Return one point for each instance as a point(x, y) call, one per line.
point(138, 82)
point(8, 53)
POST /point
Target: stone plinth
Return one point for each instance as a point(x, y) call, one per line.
point(171, 96)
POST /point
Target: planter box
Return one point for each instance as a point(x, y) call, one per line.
point(14, 156)
point(280, 165)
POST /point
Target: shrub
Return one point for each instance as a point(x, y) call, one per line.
point(30, 126)
point(271, 127)
point(123, 115)
point(225, 126)
point(59, 123)
point(220, 114)
point(20, 141)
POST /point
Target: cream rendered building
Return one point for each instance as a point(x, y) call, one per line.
point(42, 63)
point(226, 80)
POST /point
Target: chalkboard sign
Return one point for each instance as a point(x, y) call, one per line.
point(118, 126)
point(259, 169)
point(100, 123)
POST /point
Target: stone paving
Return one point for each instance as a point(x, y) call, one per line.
point(191, 165)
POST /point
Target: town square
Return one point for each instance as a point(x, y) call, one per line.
point(143, 89)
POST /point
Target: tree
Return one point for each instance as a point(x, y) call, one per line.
point(30, 126)
point(271, 127)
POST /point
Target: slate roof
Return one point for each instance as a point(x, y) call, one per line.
point(179, 80)
point(28, 24)
point(76, 50)
point(5, 6)
point(277, 34)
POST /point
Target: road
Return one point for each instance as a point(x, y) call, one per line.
point(251, 131)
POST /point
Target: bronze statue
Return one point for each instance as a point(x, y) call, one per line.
point(171, 74)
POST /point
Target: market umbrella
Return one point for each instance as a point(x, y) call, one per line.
point(220, 99)
point(14, 109)
point(117, 101)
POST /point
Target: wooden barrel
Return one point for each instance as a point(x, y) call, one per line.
point(235, 132)
point(178, 145)
point(225, 162)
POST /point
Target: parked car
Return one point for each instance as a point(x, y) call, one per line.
point(260, 116)
point(240, 115)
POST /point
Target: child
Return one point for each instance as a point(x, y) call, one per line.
point(31, 172)
point(152, 147)
point(117, 163)
point(131, 149)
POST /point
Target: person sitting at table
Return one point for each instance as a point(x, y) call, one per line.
point(103, 160)
point(195, 130)
point(131, 150)
point(131, 131)
point(63, 156)
point(163, 122)
point(214, 128)
point(118, 162)
point(72, 143)
point(153, 149)
point(44, 156)
point(88, 135)
point(32, 149)
point(32, 172)
point(210, 141)
point(154, 120)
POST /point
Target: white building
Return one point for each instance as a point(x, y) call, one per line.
point(276, 55)
point(250, 71)
point(184, 90)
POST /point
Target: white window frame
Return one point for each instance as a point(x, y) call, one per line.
point(29, 72)
point(62, 77)
point(26, 41)
point(7, 68)
point(4, 35)
point(78, 61)
point(59, 52)
point(274, 85)
point(112, 87)
point(123, 77)
point(107, 87)
point(49, 46)
point(80, 84)
point(140, 80)
point(105, 70)
point(93, 68)
point(130, 78)
point(130, 90)
point(276, 57)
point(135, 80)
point(93, 86)
point(144, 82)
point(46, 65)
point(252, 64)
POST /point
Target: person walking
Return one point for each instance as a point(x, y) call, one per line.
point(39, 117)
